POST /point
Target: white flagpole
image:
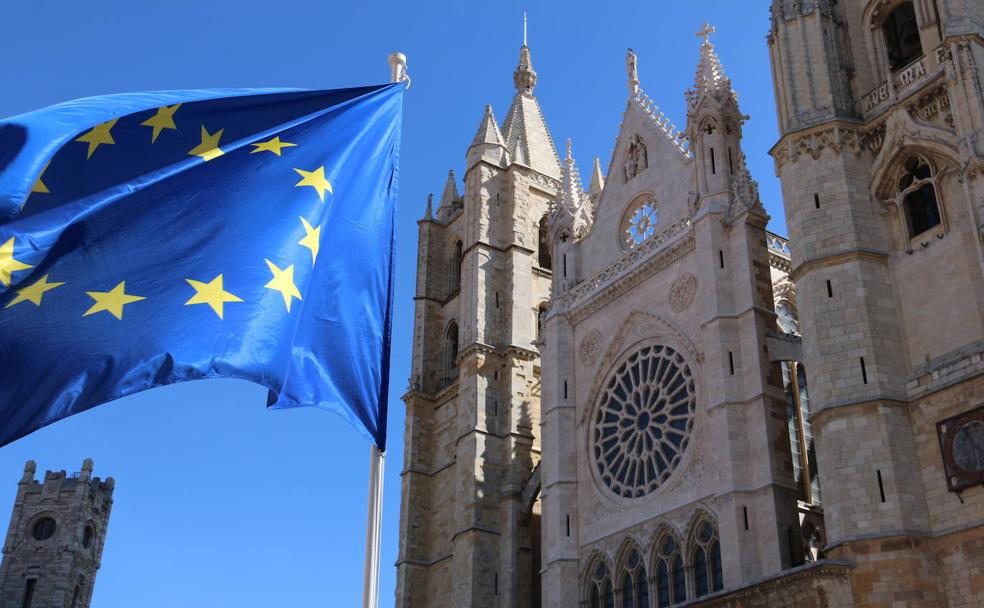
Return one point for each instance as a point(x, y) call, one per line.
point(377, 459)
point(370, 587)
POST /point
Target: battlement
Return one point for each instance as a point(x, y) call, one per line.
point(56, 482)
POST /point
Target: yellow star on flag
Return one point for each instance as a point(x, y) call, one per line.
point(311, 240)
point(209, 148)
point(271, 145)
point(163, 119)
point(33, 292)
point(211, 293)
point(111, 301)
point(316, 179)
point(8, 265)
point(39, 186)
point(283, 281)
point(97, 136)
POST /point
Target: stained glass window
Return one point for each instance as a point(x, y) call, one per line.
point(644, 421)
point(639, 222)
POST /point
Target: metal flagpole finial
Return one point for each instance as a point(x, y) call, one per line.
point(398, 68)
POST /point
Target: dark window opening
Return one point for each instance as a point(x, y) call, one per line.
point(731, 362)
point(29, 587)
point(87, 535)
point(543, 257)
point(43, 529)
point(902, 36)
point(918, 192)
point(744, 511)
point(568, 518)
point(731, 164)
point(721, 257)
point(451, 352)
point(713, 166)
point(455, 283)
point(830, 289)
point(881, 486)
point(816, 200)
point(864, 372)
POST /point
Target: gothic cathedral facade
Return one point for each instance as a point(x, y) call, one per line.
point(636, 395)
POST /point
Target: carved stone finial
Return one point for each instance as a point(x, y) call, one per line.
point(30, 467)
point(525, 77)
point(570, 154)
point(429, 211)
point(87, 469)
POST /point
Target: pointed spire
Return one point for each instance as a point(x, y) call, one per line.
point(571, 208)
point(450, 194)
point(710, 77)
point(488, 144)
point(429, 211)
point(597, 180)
point(488, 130)
point(524, 77)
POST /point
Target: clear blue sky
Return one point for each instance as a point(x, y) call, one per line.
point(219, 502)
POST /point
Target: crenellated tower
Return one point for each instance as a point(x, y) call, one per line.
point(469, 525)
point(55, 540)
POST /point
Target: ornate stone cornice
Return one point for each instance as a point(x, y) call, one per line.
point(832, 136)
point(629, 270)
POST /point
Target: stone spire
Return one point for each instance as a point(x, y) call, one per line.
point(597, 181)
point(450, 194)
point(429, 211)
point(524, 130)
point(710, 78)
point(488, 143)
point(572, 207)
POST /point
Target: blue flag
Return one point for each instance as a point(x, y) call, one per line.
point(153, 238)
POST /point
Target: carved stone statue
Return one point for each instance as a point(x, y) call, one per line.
point(632, 71)
point(637, 159)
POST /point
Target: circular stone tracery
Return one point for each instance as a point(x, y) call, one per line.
point(644, 421)
point(639, 221)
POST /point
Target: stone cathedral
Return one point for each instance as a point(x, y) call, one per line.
point(635, 395)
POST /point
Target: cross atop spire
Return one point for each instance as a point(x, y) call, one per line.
point(710, 77)
point(705, 32)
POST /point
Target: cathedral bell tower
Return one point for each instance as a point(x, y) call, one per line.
point(880, 160)
point(55, 539)
point(469, 519)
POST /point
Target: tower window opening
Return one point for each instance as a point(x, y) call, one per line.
point(917, 195)
point(816, 200)
point(671, 584)
point(713, 165)
point(451, 352)
point(455, 270)
point(29, 588)
point(731, 163)
point(830, 289)
point(881, 486)
point(543, 246)
point(43, 529)
point(902, 36)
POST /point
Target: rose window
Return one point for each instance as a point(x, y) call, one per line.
point(644, 421)
point(639, 222)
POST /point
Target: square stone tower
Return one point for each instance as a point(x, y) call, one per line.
point(55, 539)
point(469, 511)
point(881, 152)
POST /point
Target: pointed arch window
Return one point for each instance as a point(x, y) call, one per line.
point(543, 245)
point(902, 36)
point(917, 194)
point(451, 352)
point(671, 584)
point(601, 593)
point(705, 560)
point(455, 270)
point(635, 587)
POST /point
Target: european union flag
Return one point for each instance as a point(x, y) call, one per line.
point(154, 238)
